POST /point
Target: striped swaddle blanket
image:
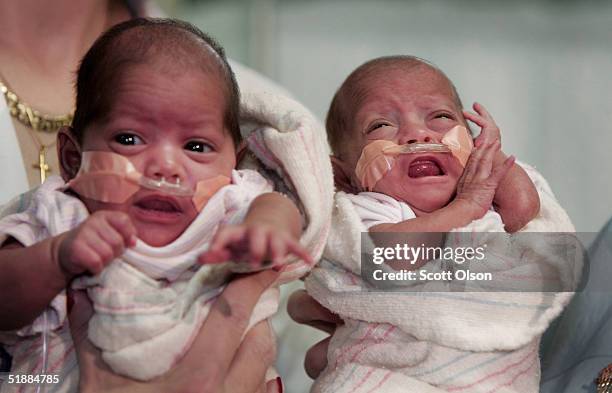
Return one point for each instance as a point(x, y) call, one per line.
point(419, 339)
point(149, 303)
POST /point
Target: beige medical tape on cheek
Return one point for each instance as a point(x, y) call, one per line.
point(112, 178)
point(378, 157)
point(460, 143)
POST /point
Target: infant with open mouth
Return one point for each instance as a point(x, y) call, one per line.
point(149, 209)
point(405, 162)
point(398, 102)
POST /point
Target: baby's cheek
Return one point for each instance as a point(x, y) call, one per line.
point(94, 206)
point(454, 168)
point(391, 181)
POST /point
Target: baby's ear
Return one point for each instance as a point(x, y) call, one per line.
point(342, 176)
point(241, 151)
point(68, 152)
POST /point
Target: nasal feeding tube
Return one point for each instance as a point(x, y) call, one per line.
point(112, 178)
point(378, 157)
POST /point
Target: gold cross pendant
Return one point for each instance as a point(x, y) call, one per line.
point(42, 165)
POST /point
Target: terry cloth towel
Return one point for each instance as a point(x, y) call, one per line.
point(421, 339)
point(290, 146)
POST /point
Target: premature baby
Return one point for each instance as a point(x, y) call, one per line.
point(149, 192)
point(405, 162)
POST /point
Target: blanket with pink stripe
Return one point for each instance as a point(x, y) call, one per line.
point(421, 338)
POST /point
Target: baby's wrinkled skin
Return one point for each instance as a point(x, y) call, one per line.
point(418, 104)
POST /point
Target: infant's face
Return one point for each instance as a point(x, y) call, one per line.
point(407, 107)
point(170, 126)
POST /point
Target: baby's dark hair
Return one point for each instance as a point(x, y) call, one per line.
point(169, 42)
point(352, 91)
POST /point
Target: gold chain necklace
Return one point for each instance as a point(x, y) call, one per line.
point(29, 116)
point(35, 121)
point(604, 380)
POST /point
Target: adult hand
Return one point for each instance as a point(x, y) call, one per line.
point(302, 308)
point(219, 360)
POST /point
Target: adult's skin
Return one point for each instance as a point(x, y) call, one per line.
point(41, 44)
point(303, 309)
point(216, 361)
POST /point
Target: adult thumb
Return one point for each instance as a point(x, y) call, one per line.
point(79, 313)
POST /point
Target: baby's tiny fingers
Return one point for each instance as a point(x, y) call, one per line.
point(486, 161)
point(481, 110)
point(297, 249)
point(225, 236)
point(258, 241)
point(474, 118)
point(112, 238)
point(121, 223)
point(472, 164)
point(103, 250)
point(91, 260)
point(213, 257)
point(278, 249)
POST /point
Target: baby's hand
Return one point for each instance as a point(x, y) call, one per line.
point(480, 179)
point(254, 244)
point(91, 246)
point(489, 130)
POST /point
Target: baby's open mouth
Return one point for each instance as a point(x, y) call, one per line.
point(422, 167)
point(159, 204)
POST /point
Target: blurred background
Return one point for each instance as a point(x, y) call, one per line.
point(543, 68)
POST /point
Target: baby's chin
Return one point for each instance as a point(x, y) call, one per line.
point(159, 233)
point(157, 238)
point(422, 198)
point(427, 205)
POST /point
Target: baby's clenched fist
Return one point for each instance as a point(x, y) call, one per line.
point(101, 238)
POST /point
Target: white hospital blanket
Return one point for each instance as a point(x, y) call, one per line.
point(424, 340)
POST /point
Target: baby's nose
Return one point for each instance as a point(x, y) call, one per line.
point(418, 134)
point(167, 164)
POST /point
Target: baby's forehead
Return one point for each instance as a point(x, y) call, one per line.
point(393, 86)
point(422, 78)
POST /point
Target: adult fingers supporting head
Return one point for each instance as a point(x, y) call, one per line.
point(256, 353)
point(303, 309)
point(221, 333)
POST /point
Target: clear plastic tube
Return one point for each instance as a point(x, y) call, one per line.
point(417, 148)
point(165, 186)
point(40, 388)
